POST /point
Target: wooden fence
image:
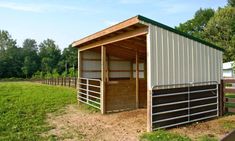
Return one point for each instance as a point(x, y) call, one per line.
point(228, 92)
point(62, 81)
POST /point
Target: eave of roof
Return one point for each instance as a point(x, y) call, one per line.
point(135, 20)
point(106, 31)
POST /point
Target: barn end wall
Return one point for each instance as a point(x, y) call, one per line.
point(175, 59)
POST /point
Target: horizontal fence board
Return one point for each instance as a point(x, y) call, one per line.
point(229, 90)
point(62, 81)
point(229, 80)
point(228, 103)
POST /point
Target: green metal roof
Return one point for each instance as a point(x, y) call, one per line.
point(147, 20)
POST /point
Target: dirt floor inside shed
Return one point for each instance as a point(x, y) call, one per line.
point(79, 123)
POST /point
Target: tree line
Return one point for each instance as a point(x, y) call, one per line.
point(215, 26)
point(47, 60)
point(35, 60)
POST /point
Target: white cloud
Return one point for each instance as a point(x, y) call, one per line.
point(21, 7)
point(39, 8)
point(109, 23)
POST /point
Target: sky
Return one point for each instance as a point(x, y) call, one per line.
point(65, 21)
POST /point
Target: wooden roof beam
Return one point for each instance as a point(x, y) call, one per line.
point(123, 36)
point(114, 28)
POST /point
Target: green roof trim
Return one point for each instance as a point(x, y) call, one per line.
point(147, 20)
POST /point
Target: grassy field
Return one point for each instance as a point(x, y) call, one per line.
point(24, 107)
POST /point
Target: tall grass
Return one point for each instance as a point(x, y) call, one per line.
point(24, 107)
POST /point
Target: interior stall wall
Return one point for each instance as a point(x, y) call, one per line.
point(175, 59)
point(91, 64)
point(119, 68)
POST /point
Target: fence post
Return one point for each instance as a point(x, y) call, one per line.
point(75, 82)
point(69, 81)
point(226, 108)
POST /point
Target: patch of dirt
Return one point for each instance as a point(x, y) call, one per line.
point(213, 128)
point(77, 124)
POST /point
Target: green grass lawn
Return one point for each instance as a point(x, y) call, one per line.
point(162, 135)
point(24, 107)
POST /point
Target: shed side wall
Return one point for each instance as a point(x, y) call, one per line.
point(174, 59)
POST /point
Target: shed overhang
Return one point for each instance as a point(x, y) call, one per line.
point(133, 27)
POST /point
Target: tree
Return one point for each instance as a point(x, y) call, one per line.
point(220, 30)
point(50, 55)
point(70, 57)
point(11, 56)
point(55, 73)
point(31, 59)
point(197, 25)
point(231, 3)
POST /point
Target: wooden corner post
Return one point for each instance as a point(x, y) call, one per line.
point(137, 78)
point(103, 79)
point(149, 79)
point(79, 73)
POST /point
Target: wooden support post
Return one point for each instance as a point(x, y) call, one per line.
point(131, 70)
point(108, 69)
point(103, 79)
point(149, 110)
point(137, 78)
point(145, 70)
point(79, 74)
point(149, 87)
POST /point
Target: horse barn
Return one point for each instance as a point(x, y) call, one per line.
point(140, 63)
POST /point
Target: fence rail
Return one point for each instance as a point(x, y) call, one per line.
point(89, 92)
point(62, 81)
point(229, 94)
point(191, 102)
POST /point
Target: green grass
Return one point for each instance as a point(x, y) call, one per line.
point(161, 135)
point(228, 125)
point(230, 95)
point(207, 138)
point(228, 104)
point(24, 107)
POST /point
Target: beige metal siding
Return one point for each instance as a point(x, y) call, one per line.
point(174, 59)
point(119, 68)
point(91, 64)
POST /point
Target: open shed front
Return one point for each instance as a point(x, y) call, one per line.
point(140, 63)
point(115, 66)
